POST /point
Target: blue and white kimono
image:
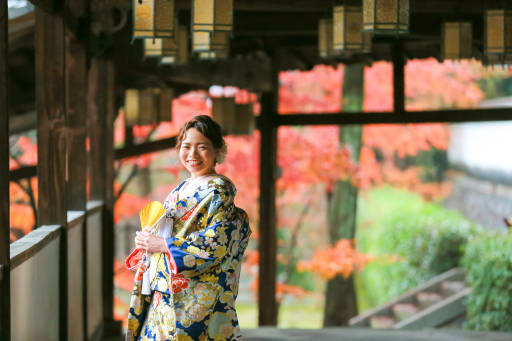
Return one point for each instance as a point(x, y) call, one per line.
point(193, 292)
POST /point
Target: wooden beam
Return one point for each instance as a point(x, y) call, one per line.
point(49, 6)
point(51, 138)
point(5, 301)
point(145, 148)
point(440, 116)
point(324, 6)
point(267, 245)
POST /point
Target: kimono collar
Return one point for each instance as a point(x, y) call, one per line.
point(179, 205)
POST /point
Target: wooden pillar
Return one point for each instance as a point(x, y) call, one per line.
point(76, 128)
point(101, 107)
point(112, 328)
point(398, 78)
point(5, 306)
point(267, 306)
point(51, 136)
point(76, 107)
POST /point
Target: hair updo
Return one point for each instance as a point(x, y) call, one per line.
point(209, 128)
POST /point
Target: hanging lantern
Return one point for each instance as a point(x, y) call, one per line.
point(152, 47)
point(224, 113)
point(325, 38)
point(457, 40)
point(386, 16)
point(165, 105)
point(165, 49)
point(141, 107)
point(131, 107)
point(212, 16)
point(244, 119)
point(348, 32)
point(211, 45)
point(182, 56)
point(153, 19)
point(498, 37)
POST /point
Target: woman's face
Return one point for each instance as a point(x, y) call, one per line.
point(197, 153)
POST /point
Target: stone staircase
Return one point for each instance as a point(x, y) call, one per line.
point(437, 303)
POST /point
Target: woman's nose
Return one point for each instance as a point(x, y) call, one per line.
point(192, 151)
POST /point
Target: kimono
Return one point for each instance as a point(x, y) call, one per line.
point(194, 284)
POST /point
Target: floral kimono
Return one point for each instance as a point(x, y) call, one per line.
point(194, 285)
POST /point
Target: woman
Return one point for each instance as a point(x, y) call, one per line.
point(191, 292)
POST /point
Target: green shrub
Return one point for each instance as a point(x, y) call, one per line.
point(428, 238)
point(488, 265)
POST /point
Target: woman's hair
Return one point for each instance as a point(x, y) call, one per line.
point(209, 128)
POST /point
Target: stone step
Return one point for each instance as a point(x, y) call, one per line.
point(426, 299)
point(403, 311)
point(382, 322)
point(449, 288)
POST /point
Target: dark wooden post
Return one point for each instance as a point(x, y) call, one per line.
point(398, 78)
point(76, 126)
point(101, 165)
point(51, 136)
point(76, 109)
point(112, 328)
point(267, 306)
point(5, 301)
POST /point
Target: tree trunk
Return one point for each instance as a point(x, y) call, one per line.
point(340, 296)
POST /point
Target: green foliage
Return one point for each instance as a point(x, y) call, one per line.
point(433, 162)
point(488, 266)
point(427, 238)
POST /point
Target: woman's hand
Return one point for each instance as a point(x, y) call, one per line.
point(150, 243)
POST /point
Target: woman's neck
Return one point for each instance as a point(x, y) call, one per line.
point(193, 177)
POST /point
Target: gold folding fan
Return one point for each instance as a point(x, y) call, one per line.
point(150, 215)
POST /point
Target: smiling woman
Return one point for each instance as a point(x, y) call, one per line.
point(187, 284)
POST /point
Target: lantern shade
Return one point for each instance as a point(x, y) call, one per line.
point(152, 47)
point(498, 35)
point(386, 16)
point(141, 106)
point(244, 119)
point(182, 44)
point(348, 32)
point(224, 113)
point(131, 107)
point(211, 45)
point(165, 105)
point(212, 15)
point(153, 19)
point(148, 106)
point(325, 38)
point(160, 47)
point(498, 60)
point(457, 40)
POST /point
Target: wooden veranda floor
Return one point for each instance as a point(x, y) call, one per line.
point(354, 334)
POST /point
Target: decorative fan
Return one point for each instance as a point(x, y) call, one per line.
point(150, 215)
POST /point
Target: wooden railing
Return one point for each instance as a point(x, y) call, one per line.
point(48, 279)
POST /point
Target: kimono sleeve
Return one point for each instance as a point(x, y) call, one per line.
point(206, 248)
